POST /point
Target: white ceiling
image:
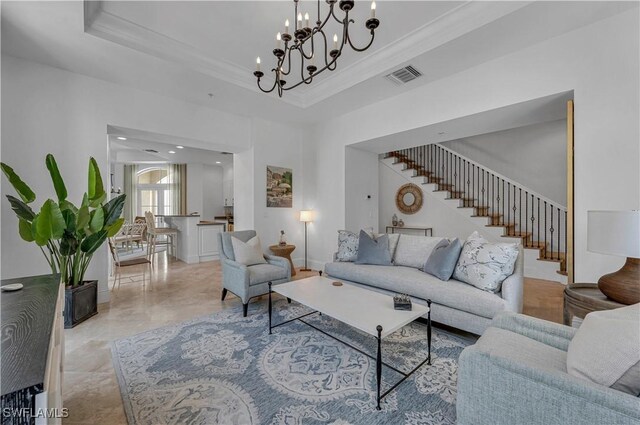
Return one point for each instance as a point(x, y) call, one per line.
point(133, 150)
point(189, 49)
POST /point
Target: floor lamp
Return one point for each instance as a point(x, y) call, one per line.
point(306, 216)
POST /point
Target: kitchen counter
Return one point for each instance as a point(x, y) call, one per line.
point(196, 240)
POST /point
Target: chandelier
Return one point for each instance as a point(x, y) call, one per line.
point(312, 46)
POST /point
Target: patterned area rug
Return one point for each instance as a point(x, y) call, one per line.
point(226, 369)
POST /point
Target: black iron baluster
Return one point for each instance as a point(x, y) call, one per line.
point(526, 211)
point(551, 229)
point(508, 207)
point(545, 226)
point(514, 209)
point(520, 211)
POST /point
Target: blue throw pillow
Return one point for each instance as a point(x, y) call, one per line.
point(373, 251)
point(443, 259)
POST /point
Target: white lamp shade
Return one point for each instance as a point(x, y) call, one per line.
point(614, 233)
point(306, 216)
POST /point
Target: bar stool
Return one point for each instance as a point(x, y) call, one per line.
point(153, 232)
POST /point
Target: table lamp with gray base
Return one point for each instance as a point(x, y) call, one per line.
point(617, 233)
point(306, 216)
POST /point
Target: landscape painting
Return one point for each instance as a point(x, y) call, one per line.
point(279, 187)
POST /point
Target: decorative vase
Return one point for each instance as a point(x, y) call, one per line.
point(394, 220)
point(283, 238)
point(400, 223)
point(80, 303)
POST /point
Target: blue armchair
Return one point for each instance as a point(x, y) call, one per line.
point(249, 281)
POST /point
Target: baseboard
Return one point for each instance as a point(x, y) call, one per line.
point(104, 295)
point(312, 264)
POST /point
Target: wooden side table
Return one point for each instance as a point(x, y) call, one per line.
point(284, 251)
point(583, 298)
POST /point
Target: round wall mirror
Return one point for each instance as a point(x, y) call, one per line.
point(409, 198)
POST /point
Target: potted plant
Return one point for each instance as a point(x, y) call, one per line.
point(68, 235)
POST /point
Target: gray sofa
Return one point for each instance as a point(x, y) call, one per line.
point(455, 303)
point(517, 374)
point(249, 281)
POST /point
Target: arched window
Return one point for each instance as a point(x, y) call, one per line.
point(154, 191)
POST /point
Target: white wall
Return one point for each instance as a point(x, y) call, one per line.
point(45, 109)
point(227, 184)
point(534, 156)
point(361, 191)
point(600, 62)
point(212, 191)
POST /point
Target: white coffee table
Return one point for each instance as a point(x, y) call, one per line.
point(364, 309)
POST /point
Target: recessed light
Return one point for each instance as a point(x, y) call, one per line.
point(218, 162)
point(172, 151)
point(122, 138)
point(180, 147)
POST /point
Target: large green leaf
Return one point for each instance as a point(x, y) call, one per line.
point(115, 227)
point(69, 220)
point(97, 220)
point(68, 244)
point(113, 209)
point(50, 221)
point(97, 203)
point(56, 178)
point(21, 209)
point(40, 241)
point(66, 205)
point(83, 217)
point(21, 187)
point(24, 229)
point(93, 242)
point(96, 187)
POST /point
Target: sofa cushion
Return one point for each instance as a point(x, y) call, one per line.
point(443, 259)
point(605, 349)
point(518, 348)
point(373, 251)
point(413, 251)
point(248, 253)
point(485, 265)
point(227, 246)
point(413, 282)
point(261, 273)
point(347, 246)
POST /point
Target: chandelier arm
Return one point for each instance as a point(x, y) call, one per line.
point(270, 90)
point(373, 35)
point(332, 13)
point(281, 63)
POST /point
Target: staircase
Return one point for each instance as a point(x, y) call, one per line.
point(539, 223)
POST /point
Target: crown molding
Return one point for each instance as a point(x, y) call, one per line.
point(463, 19)
point(108, 26)
point(447, 27)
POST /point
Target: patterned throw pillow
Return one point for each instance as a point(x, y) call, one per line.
point(347, 246)
point(485, 265)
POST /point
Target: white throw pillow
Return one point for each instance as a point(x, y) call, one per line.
point(485, 265)
point(413, 251)
point(248, 253)
point(606, 349)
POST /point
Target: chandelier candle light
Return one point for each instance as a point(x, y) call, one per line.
point(310, 42)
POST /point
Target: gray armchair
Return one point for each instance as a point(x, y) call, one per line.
point(517, 374)
point(249, 281)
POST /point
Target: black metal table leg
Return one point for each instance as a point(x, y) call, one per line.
point(379, 366)
point(429, 331)
point(270, 308)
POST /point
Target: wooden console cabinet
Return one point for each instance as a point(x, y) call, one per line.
point(32, 351)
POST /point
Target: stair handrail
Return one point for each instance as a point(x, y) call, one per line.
point(487, 169)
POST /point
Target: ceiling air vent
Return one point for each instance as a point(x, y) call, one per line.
point(151, 150)
point(403, 75)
